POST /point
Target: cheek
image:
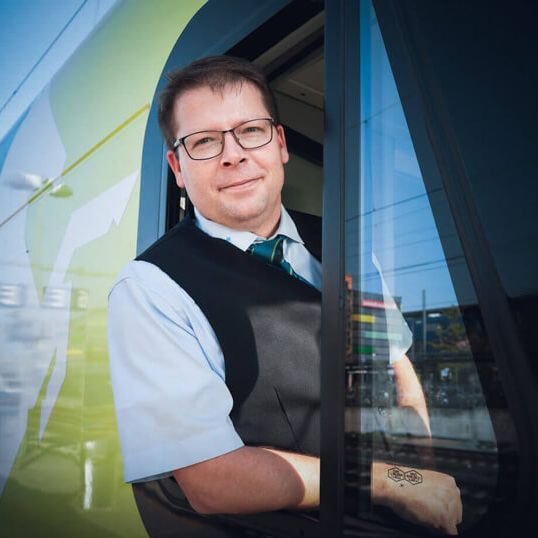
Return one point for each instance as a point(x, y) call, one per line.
point(198, 183)
point(278, 172)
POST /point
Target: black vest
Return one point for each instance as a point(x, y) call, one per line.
point(268, 325)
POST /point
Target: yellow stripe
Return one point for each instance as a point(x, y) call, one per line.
point(42, 190)
point(105, 139)
point(274, 248)
point(49, 183)
point(363, 318)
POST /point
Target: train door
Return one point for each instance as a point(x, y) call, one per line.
point(289, 47)
point(375, 153)
point(429, 94)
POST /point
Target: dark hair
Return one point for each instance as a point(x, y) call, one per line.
point(215, 72)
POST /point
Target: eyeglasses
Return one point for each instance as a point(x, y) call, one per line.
point(208, 144)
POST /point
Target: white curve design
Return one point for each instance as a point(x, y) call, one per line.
point(103, 210)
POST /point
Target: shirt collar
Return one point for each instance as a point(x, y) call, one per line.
point(243, 239)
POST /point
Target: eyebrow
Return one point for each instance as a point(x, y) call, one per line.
point(267, 116)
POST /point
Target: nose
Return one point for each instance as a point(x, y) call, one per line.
point(232, 153)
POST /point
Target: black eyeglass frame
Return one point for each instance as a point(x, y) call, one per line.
point(181, 141)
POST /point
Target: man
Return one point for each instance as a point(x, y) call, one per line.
point(214, 344)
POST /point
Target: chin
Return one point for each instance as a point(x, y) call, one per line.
point(248, 211)
point(250, 221)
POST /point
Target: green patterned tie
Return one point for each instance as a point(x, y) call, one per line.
point(272, 252)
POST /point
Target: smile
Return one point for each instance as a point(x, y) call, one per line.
point(239, 185)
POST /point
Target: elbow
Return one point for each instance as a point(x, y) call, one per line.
point(202, 502)
point(203, 498)
point(203, 506)
point(210, 504)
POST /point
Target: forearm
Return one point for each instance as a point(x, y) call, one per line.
point(307, 470)
point(409, 390)
point(251, 479)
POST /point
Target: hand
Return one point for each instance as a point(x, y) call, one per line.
point(434, 502)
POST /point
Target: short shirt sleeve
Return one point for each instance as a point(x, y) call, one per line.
point(167, 371)
point(404, 337)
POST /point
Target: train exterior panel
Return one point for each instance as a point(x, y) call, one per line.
point(69, 202)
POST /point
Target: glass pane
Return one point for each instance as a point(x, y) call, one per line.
point(414, 404)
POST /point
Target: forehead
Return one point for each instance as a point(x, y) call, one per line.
point(205, 108)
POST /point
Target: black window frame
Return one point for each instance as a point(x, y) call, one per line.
point(341, 165)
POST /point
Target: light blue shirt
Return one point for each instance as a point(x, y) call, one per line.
point(167, 368)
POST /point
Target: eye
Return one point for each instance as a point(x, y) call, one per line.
point(203, 141)
point(252, 130)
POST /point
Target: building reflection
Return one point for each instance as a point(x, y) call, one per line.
point(445, 356)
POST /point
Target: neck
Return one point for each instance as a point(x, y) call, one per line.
point(266, 231)
point(267, 227)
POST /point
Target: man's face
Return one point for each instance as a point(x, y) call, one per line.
point(241, 187)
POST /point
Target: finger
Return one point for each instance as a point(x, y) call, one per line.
point(452, 516)
point(455, 507)
point(460, 507)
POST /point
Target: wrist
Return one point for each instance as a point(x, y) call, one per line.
point(379, 483)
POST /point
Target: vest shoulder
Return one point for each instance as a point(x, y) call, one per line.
point(310, 230)
point(171, 238)
point(307, 219)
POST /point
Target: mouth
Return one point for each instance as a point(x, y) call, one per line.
point(240, 184)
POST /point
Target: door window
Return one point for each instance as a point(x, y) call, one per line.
point(415, 342)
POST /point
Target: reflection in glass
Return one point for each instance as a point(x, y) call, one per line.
point(409, 298)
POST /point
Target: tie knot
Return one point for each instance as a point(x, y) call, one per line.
point(270, 251)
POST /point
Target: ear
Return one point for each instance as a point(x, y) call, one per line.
point(173, 162)
point(281, 139)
